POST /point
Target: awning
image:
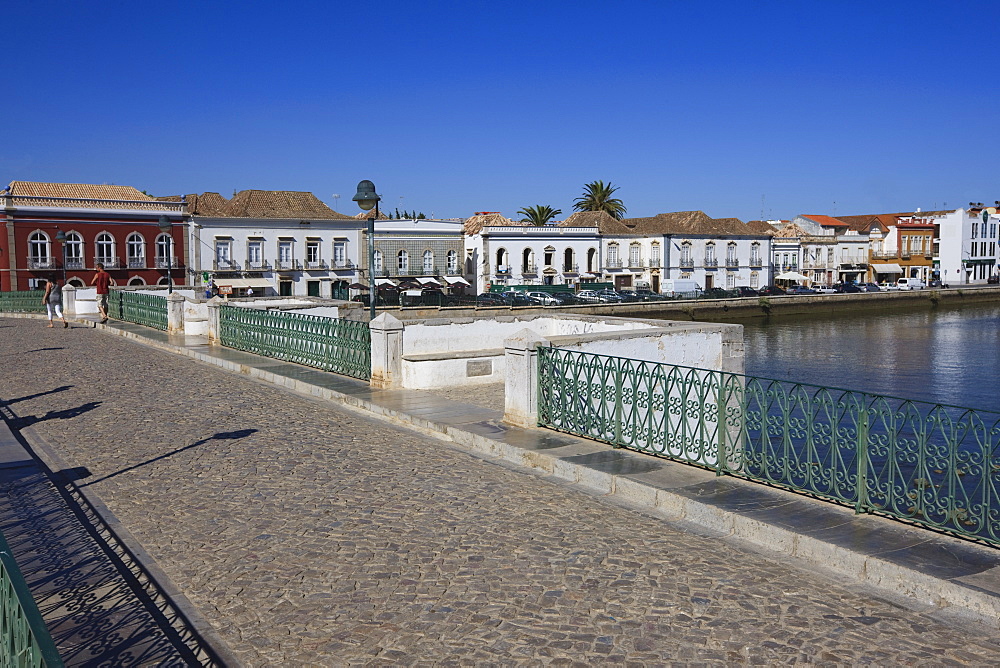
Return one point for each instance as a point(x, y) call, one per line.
point(384, 281)
point(413, 293)
point(426, 280)
point(587, 275)
point(244, 282)
point(452, 280)
point(887, 269)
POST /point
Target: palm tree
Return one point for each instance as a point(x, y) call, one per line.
point(539, 215)
point(597, 197)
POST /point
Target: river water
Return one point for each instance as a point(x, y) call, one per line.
point(945, 355)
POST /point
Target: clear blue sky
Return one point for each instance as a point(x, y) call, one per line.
point(455, 107)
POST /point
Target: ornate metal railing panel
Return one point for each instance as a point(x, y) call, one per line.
point(23, 635)
point(25, 301)
point(931, 464)
point(138, 307)
point(331, 344)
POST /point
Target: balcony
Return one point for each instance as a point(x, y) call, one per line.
point(41, 263)
point(75, 263)
point(884, 255)
point(341, 264)
point(287, 265)
point(635, 263)
point(711, 263)
point(732, 263)
point(755, 261)
point(313, 265)
point(571, 269)
point(218, 265)
point(613, 264)
point(503, 270)
point(108, 262)
point(529, 270)
point(172, 263)
point(259, 265)
point(136, 263)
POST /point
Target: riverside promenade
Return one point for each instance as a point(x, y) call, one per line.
point(262, 527)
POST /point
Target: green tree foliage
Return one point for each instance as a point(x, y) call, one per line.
point(538, 215)
point(597, 196)
point(409, 215)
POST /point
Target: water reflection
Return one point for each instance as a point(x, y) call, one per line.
point(944, 356)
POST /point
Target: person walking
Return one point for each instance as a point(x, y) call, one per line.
point(53, 301)
point(102, 280)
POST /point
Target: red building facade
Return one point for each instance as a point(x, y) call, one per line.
point(63, 230)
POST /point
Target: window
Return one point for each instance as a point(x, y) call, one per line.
point(527, 261)
point(104, 247)
point(285, 256)
point(591, 259)
point(164, 251)
point(452, 260)
point(403, 262)
point(377, 260)
point(135, 250)
point(223, 254)
point(39, 255)
point(74, 251)
point(754, 279)
point(428, 262)
point(549, 255)
point(503, 261)
point(686, 260)
point(312, 255)
point(568, 261)
point(634, 255)
point(255, 254)
point(731, 260)
point(755, 254)
point(730, 281)
point(710, 260)
point(654, 255)
point(613, 255)
point(340, 253)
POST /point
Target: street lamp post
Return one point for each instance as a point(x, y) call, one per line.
point(166, 228)
point(61, 238)
point(366, 199)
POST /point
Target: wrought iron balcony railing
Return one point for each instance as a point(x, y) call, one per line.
point(173, 263)
point(287, 265)
point(613, 264)
point(529, 269)
point(341, 264)
point(732, 263)
point(315, 264)
point(41, 263)
point(75, 263)
point(136, 263)
point(686, 263)
point(259, 265)
point(108, 262)
point(711, 262)
point(755, 261)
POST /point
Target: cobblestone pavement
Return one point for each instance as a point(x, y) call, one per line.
point(310, 535)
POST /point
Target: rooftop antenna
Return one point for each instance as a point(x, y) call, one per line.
point(336, 198)
point(762, 207)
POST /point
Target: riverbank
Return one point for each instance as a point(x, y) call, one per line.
point(743, 308)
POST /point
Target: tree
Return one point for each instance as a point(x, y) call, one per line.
point(597, 196)
point(409, 215)
point(538, 215)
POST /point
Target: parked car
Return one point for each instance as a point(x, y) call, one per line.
point(718, 293)
point(490, 299)
point(744, 291)
point(825, 289)
point(872, 287)
point(992, 280)
point(544, 298)
point(565, 298)
point(588, 297)
point(771, 291)
point(888, 287)
point(800, 290)
point(848, 288)
point(609, 296)
point(910, 284)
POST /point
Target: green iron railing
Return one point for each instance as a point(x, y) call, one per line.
point(139, 308)
point(24, 640)
point(931, 464)
point(331, 344)
point(26, 301)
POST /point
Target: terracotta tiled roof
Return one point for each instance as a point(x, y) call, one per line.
point(77, 190)
point(278, 204)
point(679, 223)
point(825, 221)
point(365, 215)
point(207, 204)
point(588, 219)
point(790, 231)
point(761, 227)
point(475, 224)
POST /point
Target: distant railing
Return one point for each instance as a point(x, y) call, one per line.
point(25, 639)
point(139, 308)
point(332, 344)
point(108, 262)
point(172, 263)
point(25, 301)
point(41, 263)
point(930, 464)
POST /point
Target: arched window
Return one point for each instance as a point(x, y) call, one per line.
point(686, 259)
point(755, 254)
point(104, 249)
point(163, 251)
point(136, 280)
point(452, 262)
point(503, 261)
point(39, 251)
point(654, 254)
point(731, 259)
point(634, 255)
point(527, 261)
point(428, 262)
point(568, 265)
point(74, 251)
point(754, 279)
point(135, 251)
point(591, 260)
point(403, 262)
point(710, 259)
point(76, 282)
point(377, 261)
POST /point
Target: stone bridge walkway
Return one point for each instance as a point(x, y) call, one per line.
point(309, 534)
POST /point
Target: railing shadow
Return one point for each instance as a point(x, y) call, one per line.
point(39, 394)
point(101, 604)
